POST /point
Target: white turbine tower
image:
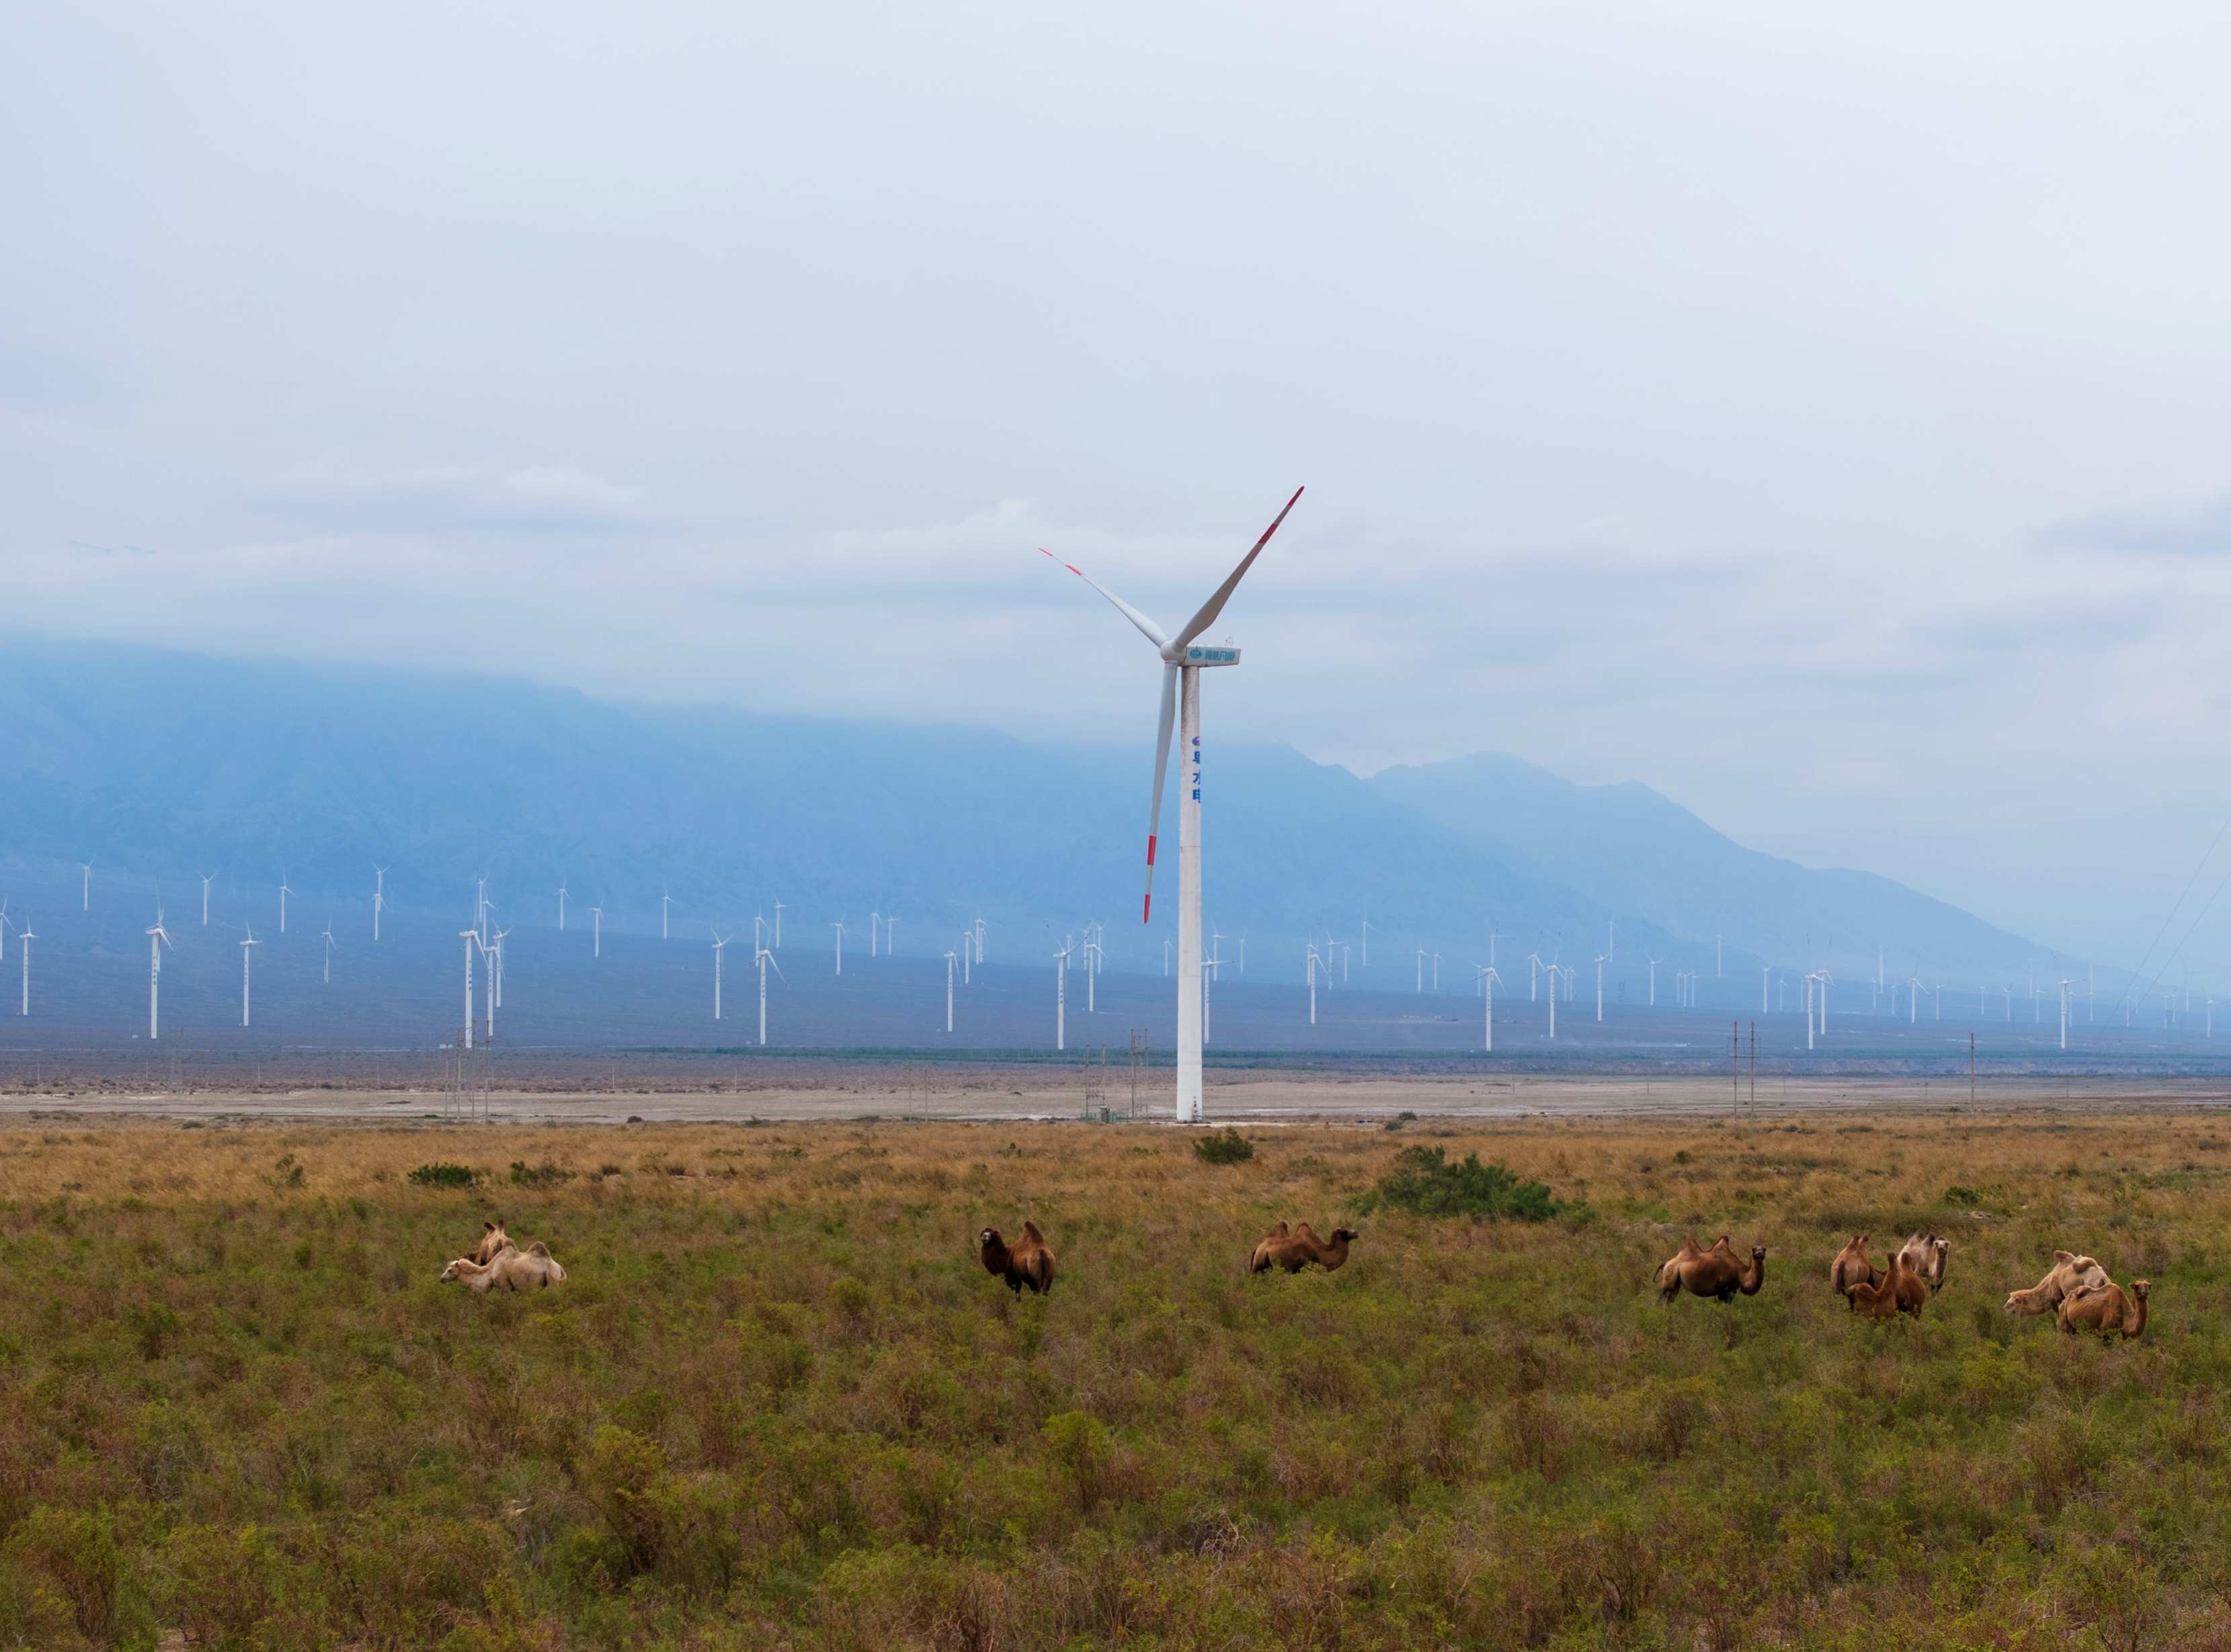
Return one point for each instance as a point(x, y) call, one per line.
point(1488, 977)
point(719, 951)
point(1534, 978)
point(1061, 997)
point(1183, 659)
point(874, 931)
point(839, 927)
point(1765, 970)
point(597, 935)
point(244, 956)
point(26, 936)
point(979, 939)
point(1600, 963)
point(762, 957)
point(949, 958)
point(284, 893)
point(665, 901)
point(2066, 995)
point(158, 938)
point(328, 939)
point(378, 899)
point(206, 876)
point(1553, 970)
point(88, 866)
point(777, 924)
point(561, 905)
point(1914, 990)
point(1312, 960)
point(1653, 963)
point(470, 936)
point(891, 935)
point(1422, 970)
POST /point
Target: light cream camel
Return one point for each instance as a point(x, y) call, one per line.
point(511, 1269)
point(2106, 1309)
point(1711, 1273)
point(1925, 1254)
point(2069, 1271)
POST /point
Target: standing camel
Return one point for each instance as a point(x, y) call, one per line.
point(1711, 1273)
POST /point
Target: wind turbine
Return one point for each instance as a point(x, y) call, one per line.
point(1915, 989)
point(1534, 979)
point(719, 951)
point(1421, 971)
point(980, 937)
point(891, 935)
point(1210, 965)
point(839, 927)
point(561, 906)
point(1653, 963)
point(26, 937)
point(1366, 943)
point(967, 952)
point(1313, 961)
point(1600, 963)
point(948, 990)
point(1765, 970)
point(87, 865)
point(284, 893)
point(1183, 660)
point(328, 939)
point(378, 898)
point(762, 957)
point(206, 876)
point(1488, 977)
point(597, 935)
point(875, 929)
point(2066, 994)
point(492, 982)
point(244, 956)
point(665, 901)
point(158, 938)
point(1553, 970)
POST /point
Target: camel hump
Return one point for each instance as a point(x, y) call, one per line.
point(1278, 1232)
point(1031, 1232)
point(538, 1248)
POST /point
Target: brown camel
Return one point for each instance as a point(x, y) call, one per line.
point(1711, 1273)
point(1899, 1291)
point(1853, 1266)
point(1925, 1253)
point(1027, 1263)
point(493, 1241)
point(2106, 1309)
point(1296, 1250)
point(2069, 1271)
point(511, 1269)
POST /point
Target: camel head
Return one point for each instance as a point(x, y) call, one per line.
point(989, 1238)
point(1346, 1233)
point(2142, 1288)
point(1758, 1253)
point(455, 1270)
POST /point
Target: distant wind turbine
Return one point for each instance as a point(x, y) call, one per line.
point(378, 899)
point(1553, 970)
point(777, 923)
point(1653, 963)
point(206, 876)
point(874, 931)
point(1061, 997)
point(1421, 971)
point(720, 950)
point(1600, 958)
point(284, 893)
point(1488, 977)
point(948, 990)
point(1311, 960)
point(87, 865)
point(158, 938)
point(26, 937)
point(328, 939)
point(596, 940)
point(839, 927)
point(470, 936)
point(665, 901)
point(1534, 979)
point(561, 905)
point(762, 957)
point(244, 957)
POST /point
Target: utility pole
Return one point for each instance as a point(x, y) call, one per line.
point(1753, 1067)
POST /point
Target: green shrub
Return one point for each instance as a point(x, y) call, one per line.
point(1962, 1196)
point(439, 1175)
point(1425, 1184)
point(543, 1175)
point(1226, 1146)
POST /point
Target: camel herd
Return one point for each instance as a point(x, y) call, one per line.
point(496, 1264)
point(2076, 1291)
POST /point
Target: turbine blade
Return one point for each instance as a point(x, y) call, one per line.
point(1214, 605)
point(1162, 773)
point(1152, 632)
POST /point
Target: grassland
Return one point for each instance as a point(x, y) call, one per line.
point(779, 1403)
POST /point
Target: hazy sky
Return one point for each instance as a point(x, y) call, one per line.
point(1816, 414)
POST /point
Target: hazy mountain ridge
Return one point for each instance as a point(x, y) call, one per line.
point(168, 765)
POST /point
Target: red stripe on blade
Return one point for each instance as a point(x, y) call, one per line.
point(1150, 848)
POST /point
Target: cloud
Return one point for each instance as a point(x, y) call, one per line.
point(429, 499)
point(2204, 530)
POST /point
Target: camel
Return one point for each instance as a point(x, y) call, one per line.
point(493, 1242)
point(2069, 1271)
point(2106, 1309)
point(1028, 1263)
point(1296, 1250)
point(1925, 1254)
point(1711, 1273)
point(1853, 1266)
point(510, 1269)
point(1898, 1291)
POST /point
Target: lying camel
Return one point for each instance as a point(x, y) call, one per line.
point(2106, 1309)
point(1853, 1266)
point(1296, 1250)
point(2069, 1271)
point(493, 1241)
point(510, 1269)
point(1711, 1273)
point(1028, 1263)
point(1925, 1253)
point(1899, 1291)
